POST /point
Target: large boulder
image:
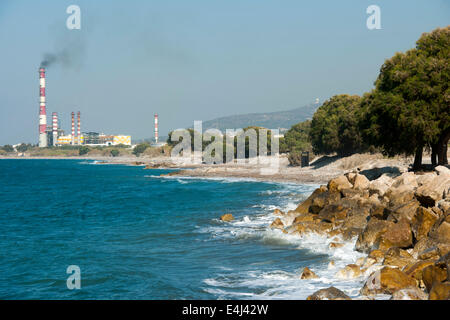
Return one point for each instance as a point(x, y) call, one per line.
point(380, 185)
point(434, 190)
point(411, 293)
point(339, 183)
point(361, 182)
point(441, 170)
point(277, 224)
point(351, 271)
point(440, 291)
point(434, 274)
point(404, 211)
point(304, 206)
point(323, 199)
point(308, 274)
point(399, 235)
point(332, 212)
point(442, 232)
point(397, 257)
point(405, 179)
point(422, 222)
point(399, 196)
point(369, 239)
point(387, 281)
point(227, 217)
point(330, 293)
point(415, 269)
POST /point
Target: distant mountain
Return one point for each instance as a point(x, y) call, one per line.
point(271, 120)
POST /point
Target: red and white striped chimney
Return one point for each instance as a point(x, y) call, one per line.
point(42, 112)
point(55, 128)
point(156, 128)
point(73, 128)
point(79, 128)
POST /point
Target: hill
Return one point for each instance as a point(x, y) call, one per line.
point(271, 120)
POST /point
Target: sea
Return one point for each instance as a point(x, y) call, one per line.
point(132, 233)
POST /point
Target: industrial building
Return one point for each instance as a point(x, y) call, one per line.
point(54, 136)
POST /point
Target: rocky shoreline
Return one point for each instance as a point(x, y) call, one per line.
point(402, 223)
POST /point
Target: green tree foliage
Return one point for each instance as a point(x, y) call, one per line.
point(409, 107)
point(297, 138)
point(140, 148)
point(83, 150)
point(334, 127)
point(8, 148)
point(115, 152)
point(23, 147)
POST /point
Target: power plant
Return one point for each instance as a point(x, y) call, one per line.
point(54, 136)
point(42, 111)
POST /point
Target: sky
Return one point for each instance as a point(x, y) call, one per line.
point(193, 59)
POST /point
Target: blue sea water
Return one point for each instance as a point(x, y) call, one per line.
point(136, 235)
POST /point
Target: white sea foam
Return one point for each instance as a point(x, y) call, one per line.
point(279, 284)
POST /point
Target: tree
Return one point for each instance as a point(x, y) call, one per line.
point(115, 152)
point(8, 148)
point(334, 127)
point(139, 149)
point(23, 147)
point(83, 150)
point(297, 138)
point(409, 108)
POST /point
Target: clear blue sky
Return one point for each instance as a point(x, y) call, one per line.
point(193, 60)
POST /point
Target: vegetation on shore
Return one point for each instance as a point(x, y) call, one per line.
point(407, 111)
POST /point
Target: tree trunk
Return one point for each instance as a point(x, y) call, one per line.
point(418, 158)
point(434, 151)
point(445, 153)
point(442, 147)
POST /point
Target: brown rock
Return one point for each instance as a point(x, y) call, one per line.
point(434, 274)
point(434, 190)
point(361, 182)
point(304, 206)
point(422, 222)
point(277, 224)
point(404, 211)
point(333, 212)
point(415, 269)
point(399, 235)
point(330, 293)
point(308, 217)
point(387, 280)
point(369, 239)
point(350, 193)
point(278, 212)
point(308, 274)
point(429, 253)
point(350, 271)
point(421, 246)
point(397, 257)
point(399, 196)
point(380, 185)
point(440, 291)
point(321, 200)
point(442, 233)
point(334, 245)
point(339, 183)
point(378, 255)
point(405, 179)
point(227, 217)
point(411, 293)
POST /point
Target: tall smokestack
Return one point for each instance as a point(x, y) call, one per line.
point(73, 128)
point(79, 128)
point(55, 127)
point(156, 128)
point(42, 111)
